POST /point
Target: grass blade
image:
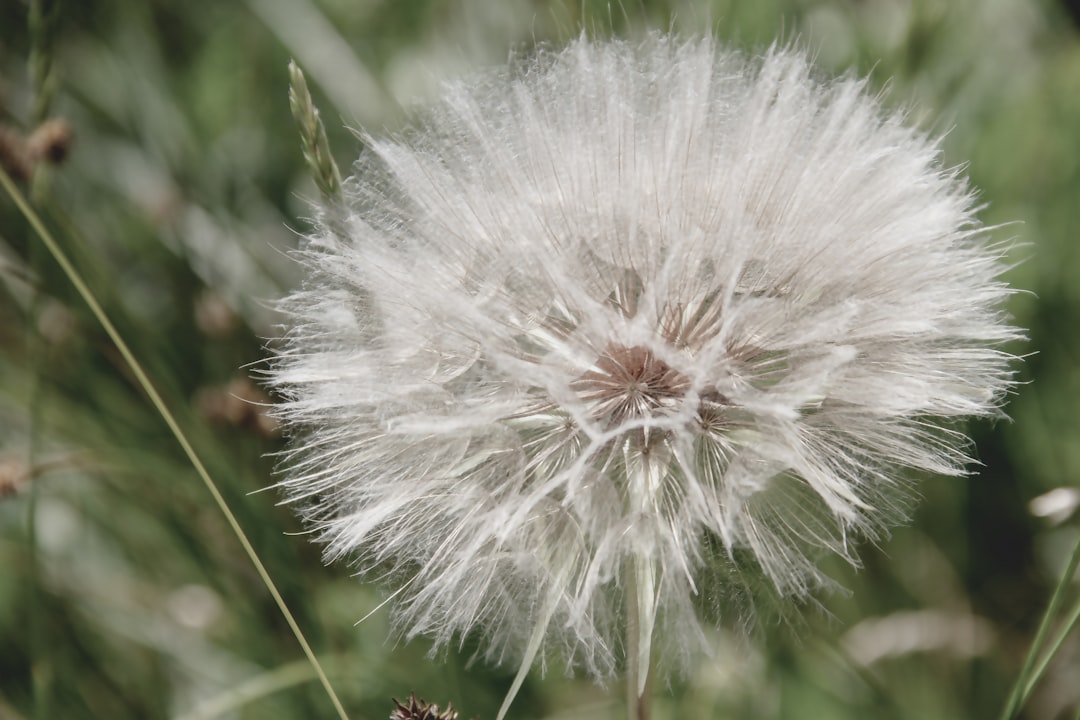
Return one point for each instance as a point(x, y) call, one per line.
point(159, 404)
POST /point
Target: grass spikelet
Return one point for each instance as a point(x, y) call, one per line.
point(313, 136)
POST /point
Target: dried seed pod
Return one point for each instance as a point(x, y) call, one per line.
point(417, 709)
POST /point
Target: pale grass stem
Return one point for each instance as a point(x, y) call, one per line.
point(159, 404)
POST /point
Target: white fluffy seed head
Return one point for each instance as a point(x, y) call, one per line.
point(648, 318)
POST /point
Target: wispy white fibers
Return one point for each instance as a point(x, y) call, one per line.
point(618, 327)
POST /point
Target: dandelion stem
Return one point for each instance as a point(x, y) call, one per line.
point(159, 404)
point(637, 672)
point(632, 697)
point(642, 482)
point(1026, 680)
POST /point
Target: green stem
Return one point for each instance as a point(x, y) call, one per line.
point(42, 23)
point(166, 414)
point(1048, 656)
point(1021, 688)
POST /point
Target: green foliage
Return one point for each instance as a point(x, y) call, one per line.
point(124, 593)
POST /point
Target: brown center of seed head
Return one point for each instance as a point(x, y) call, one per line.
point(630, 382)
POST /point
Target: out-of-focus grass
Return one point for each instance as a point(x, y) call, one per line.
point(123, 593)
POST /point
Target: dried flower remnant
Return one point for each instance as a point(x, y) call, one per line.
point(214, 317)
point(239, 403)
point(14, 475)
point(56, 323)
point(49, 142)
point(416, 709)
point(622, 326)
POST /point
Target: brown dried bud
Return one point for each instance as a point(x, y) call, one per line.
point(51, 141)
point(213, 315)
point(56, 322)
point(14, 474)
point(240, 403)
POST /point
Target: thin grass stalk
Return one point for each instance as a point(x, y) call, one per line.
point(1048, 656)
point(40, 668)
point(1021, 687)
point(42, 21)
point(159, 404)
point(42, 649)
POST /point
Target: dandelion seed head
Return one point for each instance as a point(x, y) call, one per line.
point(648, 318)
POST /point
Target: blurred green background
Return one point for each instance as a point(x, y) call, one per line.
point(123, 593)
